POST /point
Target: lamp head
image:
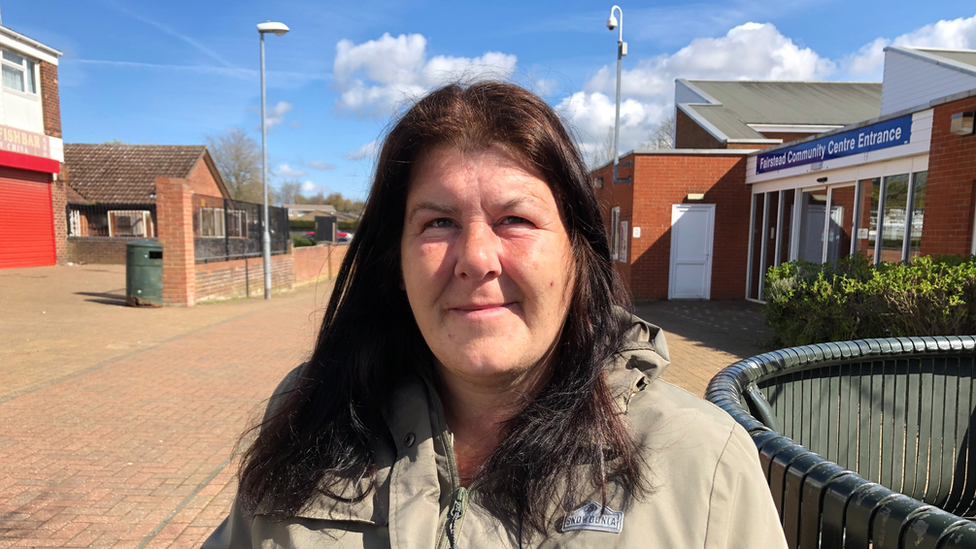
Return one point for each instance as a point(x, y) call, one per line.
point(612, 22)
point(277, 28)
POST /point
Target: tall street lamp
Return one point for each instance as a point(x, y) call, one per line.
point(621, 52)
point(277, 29)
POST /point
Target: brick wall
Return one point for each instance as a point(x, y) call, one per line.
point(315, 263)
point(96, 249)
point(201, 181)
point(50, 99)
point(59, 203)
point(689, 135)
point(174, 219)
point(663, 180)
point(622, 195)
point(949, 200)
point(242, 277)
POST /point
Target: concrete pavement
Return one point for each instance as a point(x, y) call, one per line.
point(118, 425)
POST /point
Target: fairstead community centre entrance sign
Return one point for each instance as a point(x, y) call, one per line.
point(890, 133)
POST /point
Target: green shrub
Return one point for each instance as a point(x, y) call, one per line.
point(302, 224)
point(808, 303)
point(299, 241)
point(348, 225)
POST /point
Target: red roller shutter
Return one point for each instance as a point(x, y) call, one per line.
point(26, 219)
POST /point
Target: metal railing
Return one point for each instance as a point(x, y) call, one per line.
point(225, 229)
point(128, 221)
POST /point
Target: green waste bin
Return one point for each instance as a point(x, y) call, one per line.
point(144, 273)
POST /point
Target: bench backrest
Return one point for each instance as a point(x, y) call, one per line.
point(903, 423)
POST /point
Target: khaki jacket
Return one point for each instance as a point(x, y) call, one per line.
point(707, 487)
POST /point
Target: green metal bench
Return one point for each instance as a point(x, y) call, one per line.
point(864, 443)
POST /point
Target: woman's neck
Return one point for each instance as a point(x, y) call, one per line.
point(476, 415)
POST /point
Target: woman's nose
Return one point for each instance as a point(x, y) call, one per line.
point(477, 253)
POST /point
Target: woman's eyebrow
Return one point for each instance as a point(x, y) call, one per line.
point(435, 207)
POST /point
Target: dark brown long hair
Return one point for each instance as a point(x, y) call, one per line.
point(323, 432)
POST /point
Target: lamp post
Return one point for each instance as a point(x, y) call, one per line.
point(621, 52)
point(277, 29)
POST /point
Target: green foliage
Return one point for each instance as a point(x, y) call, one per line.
point(808, 303)
point(348, 225)
point(299, 241)
point(301, 224)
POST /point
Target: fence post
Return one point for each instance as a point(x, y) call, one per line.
point(174, 212)
point(227, 206)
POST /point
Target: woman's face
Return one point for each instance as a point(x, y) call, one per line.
point(487, 264)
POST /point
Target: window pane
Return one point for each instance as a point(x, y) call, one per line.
point(787, 227)
point(128, 223)
point(918, 214)
point(31, 84)
point(895, 206)
point(841, 223)
point(13, 78)
point(867, 226)
point(755, 270)
point(812, 214)
point(11, 56)
point(772, 209)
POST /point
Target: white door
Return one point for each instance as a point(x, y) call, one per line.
point(692, 226)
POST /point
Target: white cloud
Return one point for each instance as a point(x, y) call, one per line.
point(752, 51)
point(319, 165)
point(308, 186)
point(955, 34)
point(366, 151)
point(284, 170)
point(378, 75)
point(276, 114)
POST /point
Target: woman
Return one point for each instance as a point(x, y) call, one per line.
point(477, 381)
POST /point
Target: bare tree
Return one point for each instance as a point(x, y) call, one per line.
point(290, 192)
point(604, 151)
point(238, 159)
point(661, 137)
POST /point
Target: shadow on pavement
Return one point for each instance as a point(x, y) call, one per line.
point(106, 298)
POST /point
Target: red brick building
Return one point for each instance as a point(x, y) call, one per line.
point(760, 164)
point(112, 193)
point(32, 198)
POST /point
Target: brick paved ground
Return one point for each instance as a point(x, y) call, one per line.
point(117, 425)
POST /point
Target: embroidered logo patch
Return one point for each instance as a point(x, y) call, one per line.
point(593, 516)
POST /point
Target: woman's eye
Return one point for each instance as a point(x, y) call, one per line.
point(513, 220)
point(440, 223)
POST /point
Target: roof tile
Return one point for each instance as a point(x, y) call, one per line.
point(125, 174)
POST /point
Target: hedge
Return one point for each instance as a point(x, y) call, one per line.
point(808, 303)
point(299, 241)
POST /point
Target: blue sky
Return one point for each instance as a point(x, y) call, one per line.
point(173, 72)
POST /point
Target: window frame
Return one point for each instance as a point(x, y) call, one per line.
point(28, 67)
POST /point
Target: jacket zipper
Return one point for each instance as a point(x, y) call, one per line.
point(454, 518)
point(459, 504)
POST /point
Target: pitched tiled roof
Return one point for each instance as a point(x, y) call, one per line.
point(126, 174)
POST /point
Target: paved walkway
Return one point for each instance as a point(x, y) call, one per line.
point(117, 425)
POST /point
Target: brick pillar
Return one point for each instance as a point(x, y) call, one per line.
point(59, 203)
point(174, 217)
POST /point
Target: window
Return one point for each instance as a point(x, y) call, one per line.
point(622, 252)
point(237, 223)
point(18, 72)
point(129, 223)
point(615, 232)
point(212, 222)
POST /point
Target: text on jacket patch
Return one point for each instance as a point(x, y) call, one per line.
point(590, 517)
